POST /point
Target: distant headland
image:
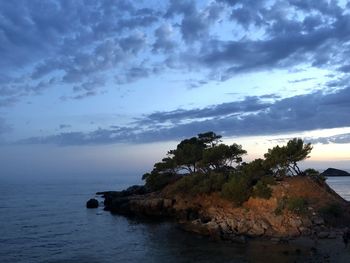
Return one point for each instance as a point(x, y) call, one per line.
point(209, 190)
point(331, 172)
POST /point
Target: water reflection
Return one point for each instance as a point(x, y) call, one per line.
point(167, 242)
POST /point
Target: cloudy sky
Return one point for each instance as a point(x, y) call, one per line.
point(108, 86)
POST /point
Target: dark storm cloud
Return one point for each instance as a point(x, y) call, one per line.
point(251, 116)
point(71, 43)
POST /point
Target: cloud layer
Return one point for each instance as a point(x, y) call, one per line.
point(339, 138)
point(88, 46)
point(251, 116)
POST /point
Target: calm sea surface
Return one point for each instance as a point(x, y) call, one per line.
point(48, 222)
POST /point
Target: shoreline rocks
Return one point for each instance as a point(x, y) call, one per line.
point(213, 216)
point(92, 203)
point(234, 227)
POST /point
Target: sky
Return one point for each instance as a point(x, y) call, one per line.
point(106, 87)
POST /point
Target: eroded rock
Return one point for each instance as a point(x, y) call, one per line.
point(92, 203)
point(220, 218)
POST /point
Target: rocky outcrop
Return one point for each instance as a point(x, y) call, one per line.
point(334, 172)
point(117, 201)
point(141, 206)
point(216, 217)
point(92, 203)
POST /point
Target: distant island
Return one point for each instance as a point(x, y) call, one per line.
point(206, 187)
point(331, 172)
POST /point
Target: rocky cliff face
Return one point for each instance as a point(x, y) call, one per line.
point(219, 218)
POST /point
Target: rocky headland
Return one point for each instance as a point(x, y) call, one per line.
point(207, 188)
point(330, 172)
point(313, 210)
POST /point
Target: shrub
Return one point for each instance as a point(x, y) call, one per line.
point(283, 160)
point(261, 190)
point(255, 170)
point(332, 210)
point(186, 183)
point(200, 183)
point(237, 189)
point(281, 205)
point(210, 183)
point(268, 180)
point(157, 181)
point(217, 181)
point(315, 175)
point(297, 205)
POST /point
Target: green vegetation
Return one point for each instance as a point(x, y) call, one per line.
point(237, 189)
point(283, 160)
point(281, 205)
point(268, 180)
point(199, 184)
point(156, 181)
point(314, 174)
point(221, 157)
point(198, 155)
point(261, 190)
point(332, 210)
point(202, 165)
point(297, 205)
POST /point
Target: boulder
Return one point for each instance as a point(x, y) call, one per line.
point(196, 226)
point(168, 203)
point(92, 203)
point(323, 234)
point(243, 227)
point(213, 229)
point(305, 231)
point(295, 222)
point(136, 190)
point(239, 239)
point(256, 229)
point(332, 235)
point(318, 220)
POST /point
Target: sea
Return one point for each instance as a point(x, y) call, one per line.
point(48, 222)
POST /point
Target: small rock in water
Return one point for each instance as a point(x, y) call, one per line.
point(92, 203)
